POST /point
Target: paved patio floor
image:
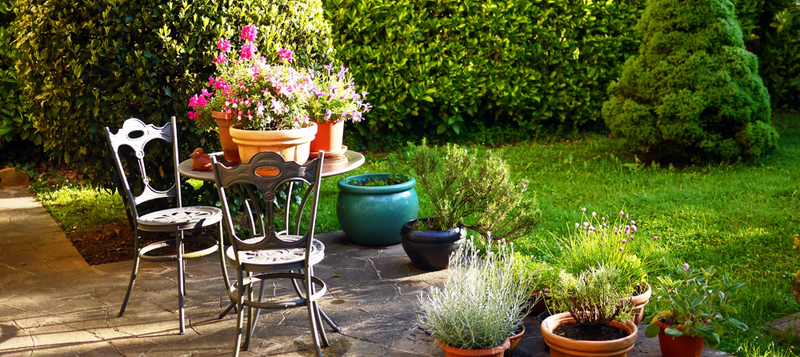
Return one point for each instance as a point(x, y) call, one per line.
point(53, 304)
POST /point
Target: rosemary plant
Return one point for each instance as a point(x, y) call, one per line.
point(592, 297)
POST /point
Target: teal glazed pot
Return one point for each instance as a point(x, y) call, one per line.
point(374, 215)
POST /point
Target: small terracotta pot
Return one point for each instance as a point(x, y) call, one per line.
point(514, 342)
point(565, 347)
point(450, 351)
point(292, 144)
point(683, 346)
point(541, 303)
point(229, 148)
point(329, 139)
point(639, 302)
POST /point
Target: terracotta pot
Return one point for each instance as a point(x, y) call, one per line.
point(683, 346)
point(514, 342)
point(450, 351)
point(565, 347)
point(329, 139)
point(639, 302)
point(229, 148)
point(292, 144)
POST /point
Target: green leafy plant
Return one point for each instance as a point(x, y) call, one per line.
point(472, 190)
point(391, 179)
point(90, 65)
point(612, 241)
point(693, 91)
point(696, 305)
point(481, 302)
point(592, 297)
point(13, 114)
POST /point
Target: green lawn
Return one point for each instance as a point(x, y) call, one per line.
point(738, 217)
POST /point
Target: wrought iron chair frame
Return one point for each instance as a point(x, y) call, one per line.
point(175, 220)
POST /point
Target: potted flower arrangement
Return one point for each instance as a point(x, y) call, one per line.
point(333, 101)
point(372, 207)
point(597, 321)
point(265, 104)
point(693, 310)
point(467, 191)
point(480, 304)
point(612, 242)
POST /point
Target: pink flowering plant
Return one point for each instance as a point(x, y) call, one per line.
point(609, 240)
point(250, 91)
point(335, 97)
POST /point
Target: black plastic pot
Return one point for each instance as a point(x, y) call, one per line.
point(430, 250)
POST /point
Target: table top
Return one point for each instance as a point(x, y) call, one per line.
point(331, 167)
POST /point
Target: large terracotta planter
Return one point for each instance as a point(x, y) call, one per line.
point(329, 139)
point(639, 302)
point(430, 250)
point(229, 148)
point(514, 342)
point(373, 215)
point(292, 144)
point(683, 346)
point(450, 351)
point(565, 347)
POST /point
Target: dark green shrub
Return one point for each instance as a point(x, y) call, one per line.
point(12, 110)
point(693, 89)
point(779, 53)
point(434, 64)
point(88, 64)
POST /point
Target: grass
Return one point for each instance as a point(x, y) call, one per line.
point(738, 217)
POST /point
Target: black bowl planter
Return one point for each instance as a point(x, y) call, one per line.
point(430, 250)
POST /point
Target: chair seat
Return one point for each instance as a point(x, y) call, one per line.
point(181, 218)
point(276, 259)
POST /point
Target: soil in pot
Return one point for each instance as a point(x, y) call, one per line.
point(589, 333)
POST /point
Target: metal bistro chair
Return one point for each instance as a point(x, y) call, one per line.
point(136, 134)
point(259, 252)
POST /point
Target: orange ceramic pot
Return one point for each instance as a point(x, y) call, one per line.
point(450, 351)
point(565, 347)
point(683, 346)
point(514, 342)
point(229, 148)
point(329, 138)
point(292, 144)
point(639, 302)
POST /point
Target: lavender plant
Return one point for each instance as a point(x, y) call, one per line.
point(482, 301)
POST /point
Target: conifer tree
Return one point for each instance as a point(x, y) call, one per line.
point(693, 90)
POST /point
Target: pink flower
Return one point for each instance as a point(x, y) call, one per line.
point(583, 209)
point(620, 249)
point(621, 213)
point(591, 229)
point(211, 81)
point(577, 224)
point(224, 45)
point(342, 72)
point(655, 237)
point(220, 59)
point(192, 115)
point(685, 266)
point(594, 214)
point(286, 55)
point(585, 224)
point(197, 101)
point(624, 241)
point(248, 51)
point(633, 222)
point(328, 67)
point(249, 33)
point(205, 93)
point(327, 114)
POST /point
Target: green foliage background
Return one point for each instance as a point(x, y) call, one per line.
point(13, 123)
point(88, 64)
point(693, 89)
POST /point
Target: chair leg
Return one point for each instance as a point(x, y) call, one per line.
point(239, 313)
point(225, 279)
point(250, 317)
point(323, 335)
point(258, 314)
point(130, 284)
point(312, 319)
point(181, 279)
point(325, 316)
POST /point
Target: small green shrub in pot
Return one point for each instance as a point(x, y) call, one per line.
point(696, 305)
point(472, 190)
point(693, 91)
point(481, 302)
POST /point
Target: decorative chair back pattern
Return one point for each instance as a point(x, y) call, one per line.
point(255, 189)
point(138, 142)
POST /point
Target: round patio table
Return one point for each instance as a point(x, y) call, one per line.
point(331, 167)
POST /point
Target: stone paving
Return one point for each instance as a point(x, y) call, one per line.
point(53, 304)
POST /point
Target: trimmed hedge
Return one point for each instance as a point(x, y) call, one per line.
point(432, 64)
point(88, 64)
point(693, 90)
point(13, 121)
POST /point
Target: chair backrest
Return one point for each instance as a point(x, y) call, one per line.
point(258, 192)
point(136, 134)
